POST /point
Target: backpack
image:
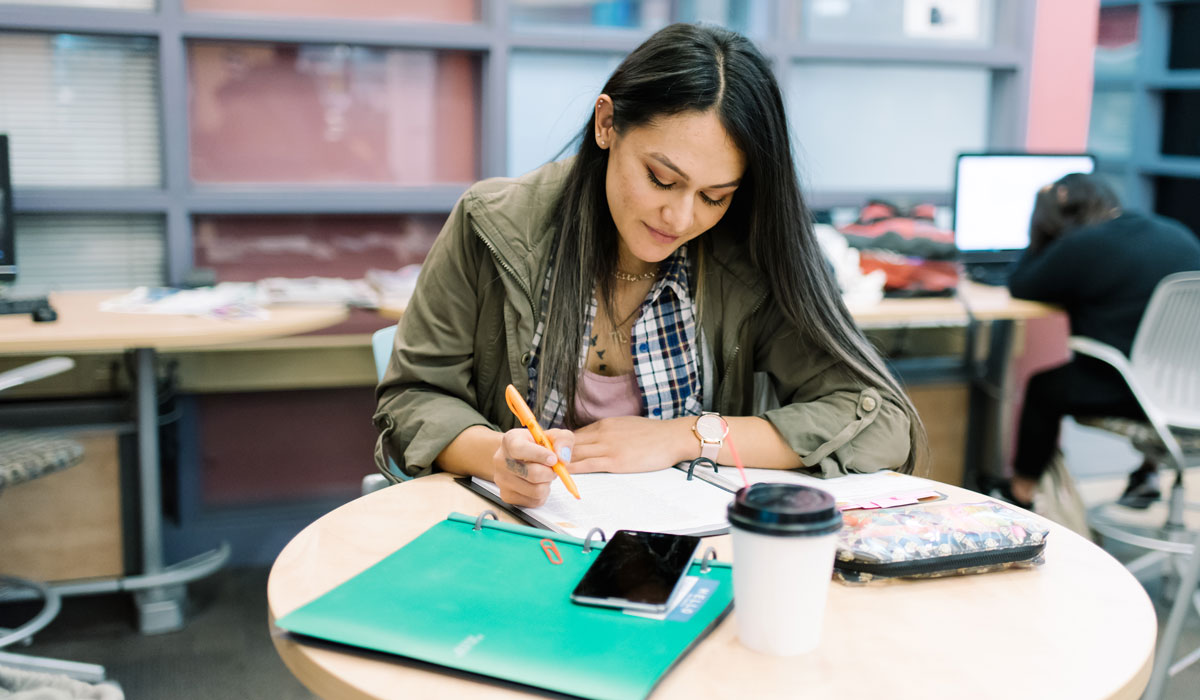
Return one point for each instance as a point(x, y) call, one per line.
point(917, 256)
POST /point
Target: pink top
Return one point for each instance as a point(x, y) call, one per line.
point(598, 396)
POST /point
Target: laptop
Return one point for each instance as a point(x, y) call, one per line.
point(993, 202)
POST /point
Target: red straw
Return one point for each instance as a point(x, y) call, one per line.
point(737, 460)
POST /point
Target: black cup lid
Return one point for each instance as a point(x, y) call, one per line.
point(785, 509)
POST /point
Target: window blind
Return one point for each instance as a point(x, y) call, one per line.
point(105, 4)
point(58, 252)
point(80, 111)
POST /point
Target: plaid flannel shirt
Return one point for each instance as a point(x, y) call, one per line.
point(663, 345)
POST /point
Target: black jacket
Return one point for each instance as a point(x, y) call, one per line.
point(1103, 275)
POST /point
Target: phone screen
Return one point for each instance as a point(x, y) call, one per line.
point(637, 570)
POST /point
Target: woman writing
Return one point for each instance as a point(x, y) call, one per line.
point(633, 291)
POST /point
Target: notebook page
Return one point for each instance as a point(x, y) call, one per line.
point(658, 501)
point(846, 490)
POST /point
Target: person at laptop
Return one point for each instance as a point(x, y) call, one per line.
point(1101, 264)
point(631, 288)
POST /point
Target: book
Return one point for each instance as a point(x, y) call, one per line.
point(668, 501)
point(438, 599)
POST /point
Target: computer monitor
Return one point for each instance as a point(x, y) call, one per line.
point(8, 243)
point(993, 199)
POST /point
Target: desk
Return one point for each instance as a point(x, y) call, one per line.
point(1078, 627)
point(82, 327)
point(986, 373)
point(986, 303)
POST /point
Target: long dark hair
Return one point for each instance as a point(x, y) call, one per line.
point(1072, 202)
point(696, 68)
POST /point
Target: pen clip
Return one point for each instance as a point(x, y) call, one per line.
point(520, 409)
point(517, 407)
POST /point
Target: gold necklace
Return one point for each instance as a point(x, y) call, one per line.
point(626, 277)
point(618, 333)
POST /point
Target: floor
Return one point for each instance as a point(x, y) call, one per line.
point(226, 651)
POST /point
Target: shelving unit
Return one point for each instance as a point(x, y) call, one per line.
point(1159, 62)
point(999, 53)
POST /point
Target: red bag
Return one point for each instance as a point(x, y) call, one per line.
point(917, 256)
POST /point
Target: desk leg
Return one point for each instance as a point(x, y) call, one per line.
point(160, 609)
point(988, 402)
point(160, 591)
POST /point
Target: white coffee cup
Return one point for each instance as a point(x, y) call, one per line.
point(784, 540)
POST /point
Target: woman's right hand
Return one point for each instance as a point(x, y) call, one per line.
point(522, 468)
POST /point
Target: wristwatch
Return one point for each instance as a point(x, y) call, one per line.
point(711, 429)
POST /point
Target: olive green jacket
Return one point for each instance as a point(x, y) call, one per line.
point(468, 331)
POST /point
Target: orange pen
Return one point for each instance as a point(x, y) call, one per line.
point(520, 409)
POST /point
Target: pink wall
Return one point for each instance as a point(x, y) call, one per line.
point(1060, 103)
point(1060, 83)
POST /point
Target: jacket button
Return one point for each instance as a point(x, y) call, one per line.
point(525, 359)
point(868, 403)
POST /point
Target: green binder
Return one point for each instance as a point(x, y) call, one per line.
point(483, 596)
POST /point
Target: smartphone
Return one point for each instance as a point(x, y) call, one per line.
point(637, 570)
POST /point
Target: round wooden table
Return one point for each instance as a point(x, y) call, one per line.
point(1078, 627)
point(82, 327)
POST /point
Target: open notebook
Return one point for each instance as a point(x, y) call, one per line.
point(667, 501)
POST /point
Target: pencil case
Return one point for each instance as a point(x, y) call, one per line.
point(943, 539)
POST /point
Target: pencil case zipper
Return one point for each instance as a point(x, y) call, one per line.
point(949, 563)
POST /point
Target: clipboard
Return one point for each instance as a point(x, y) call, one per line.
point(488, 598)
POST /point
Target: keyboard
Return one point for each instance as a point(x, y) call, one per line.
point(26, 305)
point(995, 274)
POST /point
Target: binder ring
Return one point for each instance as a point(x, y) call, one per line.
point(700, 460)
point(587, 541)
point(484, 514)
point(710, 554)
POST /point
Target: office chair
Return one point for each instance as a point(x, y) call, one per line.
point(381, 346)
point(1163, 373)
point(24, 456)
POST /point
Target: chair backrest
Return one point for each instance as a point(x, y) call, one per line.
point(1166, 350)
point(382, 341)
point(381, 344)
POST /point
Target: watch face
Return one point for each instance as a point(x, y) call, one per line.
point(711, 427)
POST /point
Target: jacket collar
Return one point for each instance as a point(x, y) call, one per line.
point(513, 217)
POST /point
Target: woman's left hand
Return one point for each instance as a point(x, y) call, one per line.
point(629, 444)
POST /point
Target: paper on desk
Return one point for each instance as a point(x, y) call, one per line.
point(316, 290)
point(882, 489)
point(395, 288)
point(234, 300)
point(658, 501)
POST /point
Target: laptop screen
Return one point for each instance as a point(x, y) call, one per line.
point(994, 195)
